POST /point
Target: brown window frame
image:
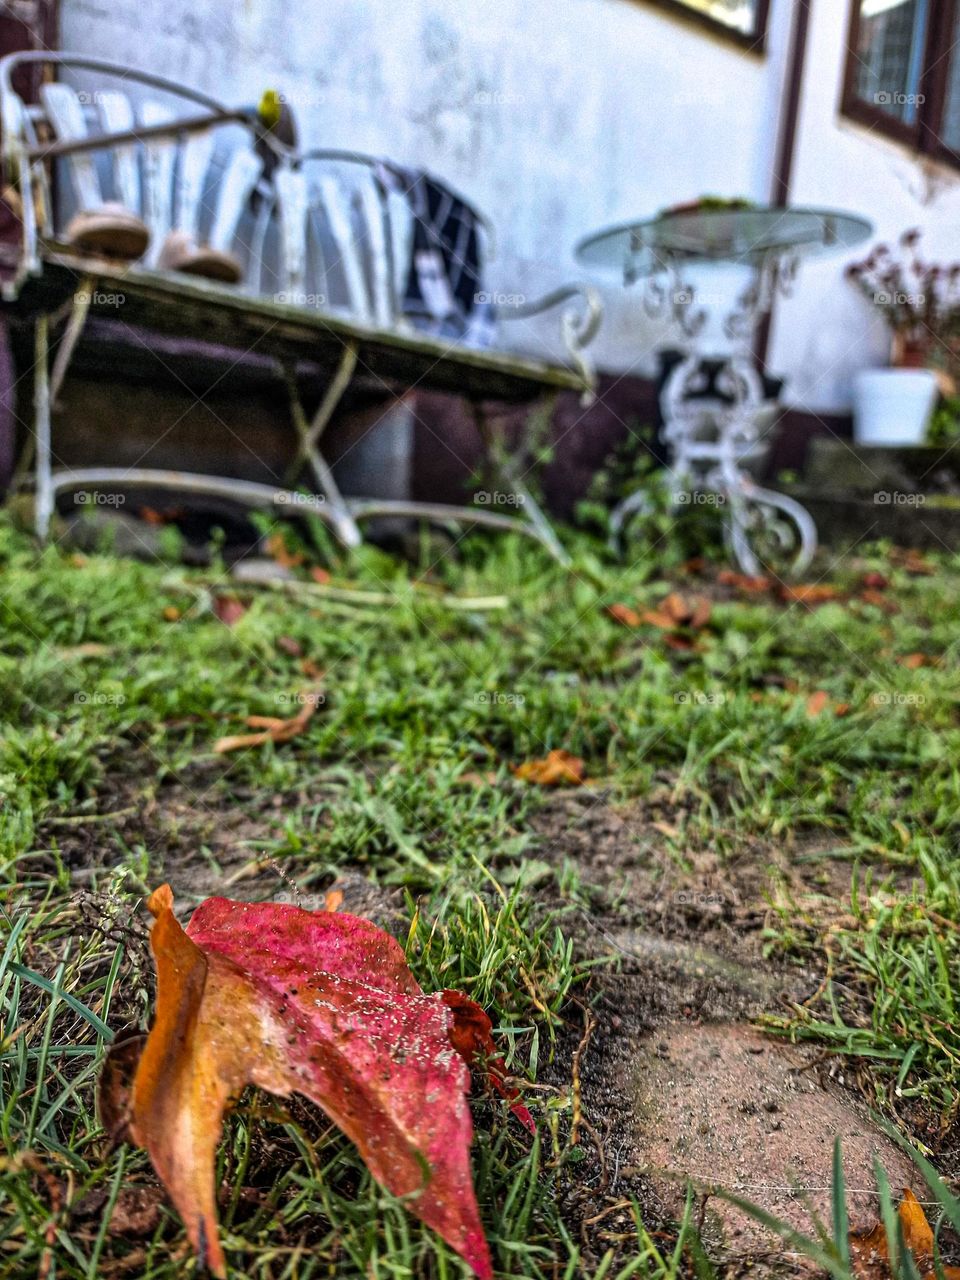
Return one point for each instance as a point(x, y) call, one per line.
point(923, 136)
point(749, 42)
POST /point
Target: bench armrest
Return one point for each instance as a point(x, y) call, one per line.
point(579, 324)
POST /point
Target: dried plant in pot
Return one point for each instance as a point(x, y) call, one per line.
point(920, 304)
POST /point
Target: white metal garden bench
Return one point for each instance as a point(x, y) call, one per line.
point(298, 258)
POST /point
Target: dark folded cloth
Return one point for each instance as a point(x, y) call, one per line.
point(444, 292)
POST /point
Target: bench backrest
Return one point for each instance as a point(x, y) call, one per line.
point(320, 230)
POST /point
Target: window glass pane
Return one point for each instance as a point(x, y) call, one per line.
point(739, 15)
point(889, 55)
point(950, 132)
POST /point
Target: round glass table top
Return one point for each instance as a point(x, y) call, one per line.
point(748, 235)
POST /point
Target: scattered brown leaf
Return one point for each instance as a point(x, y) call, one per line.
point(809, 593)
point(229, 609)
point(474, 779)
point(820, 701)
point(876, 581)
point(912, 561)
point(696, 564)
point(874, 596)
point(273, 728)
point(277, 549)
point(90, 649)
point(319, 575)
point(623, 614)
point(136, 1212)
point(751, 585)
point(149, 515)
point(560, 768)
point(673, 640)
point(914, 661)
point(869, 1254)
point(817, 703)
point(288, 645)
point(171, 613)
point(678, 610)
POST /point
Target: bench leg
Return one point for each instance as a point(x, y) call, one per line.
point(78, 317)
point(309, 432)
point(43, 495)
point(68, 343)
point(505, 469)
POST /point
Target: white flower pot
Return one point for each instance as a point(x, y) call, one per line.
point(893, 406)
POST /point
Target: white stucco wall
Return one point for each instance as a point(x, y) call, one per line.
point(826, 332)
point(554, 116)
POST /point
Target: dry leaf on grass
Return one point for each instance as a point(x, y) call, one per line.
point(333, 900)
point(137, 1212)
point(869, 1253)
point(273, 728)
point(229, 609)
point(914, 661)
point(276, 548)
point(749, 584)
point(912, 561)
point(623, 614)
point(678, 610)
point(312, 1002)
point(560, 768)
point(876, 597)
point(809, 593)
point(819, 701)
point(474, 779)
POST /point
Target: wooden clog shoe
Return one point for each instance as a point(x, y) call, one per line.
point(180, 252)
point(108, 232)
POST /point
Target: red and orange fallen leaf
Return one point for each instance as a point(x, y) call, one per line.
point(560, 768)
point(313, 1002)
point(870, 1256)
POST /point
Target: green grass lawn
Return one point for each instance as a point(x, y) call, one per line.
point(116, 680)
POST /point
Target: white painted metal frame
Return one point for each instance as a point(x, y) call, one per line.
point(162, 168)
point(711, 437)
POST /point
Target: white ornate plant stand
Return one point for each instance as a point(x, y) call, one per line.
point(713, 417)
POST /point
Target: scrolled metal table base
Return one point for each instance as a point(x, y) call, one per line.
point(711, 426)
